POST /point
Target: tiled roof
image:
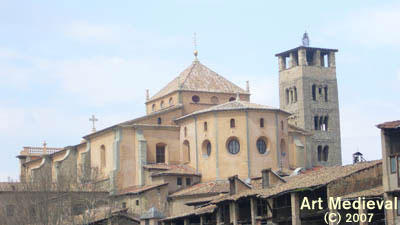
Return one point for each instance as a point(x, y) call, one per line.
point(204, 200)
point(372, 192)
point(99, 214)
point(164, 169)
point(211, 187)
point(310, 179)
point(138, 189)
point(233, 105)
point(389, 125)
point(198, 77)
point(199, 211)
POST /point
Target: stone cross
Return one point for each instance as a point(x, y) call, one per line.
point(93, 119)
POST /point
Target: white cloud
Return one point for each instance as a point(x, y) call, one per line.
point(371, 27)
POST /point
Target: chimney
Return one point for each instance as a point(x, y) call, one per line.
point(266, 173)
point(232, 185)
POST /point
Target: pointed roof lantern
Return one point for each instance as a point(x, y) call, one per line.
point(305, 40)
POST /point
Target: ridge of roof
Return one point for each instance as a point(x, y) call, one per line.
point(389, 125)
point(198, 77)
point(232, 105)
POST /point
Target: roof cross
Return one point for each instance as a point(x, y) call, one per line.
point(93, 119)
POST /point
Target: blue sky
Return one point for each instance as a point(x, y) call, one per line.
point(62, 61)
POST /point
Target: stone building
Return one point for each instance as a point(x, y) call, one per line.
point(308, 90)
point(201, 130)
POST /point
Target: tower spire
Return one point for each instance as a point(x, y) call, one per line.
point(195, 52)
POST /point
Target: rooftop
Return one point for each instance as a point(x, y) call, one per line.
point(198, 77)
point(389, 125)
point(211, 187)
point(232, 105)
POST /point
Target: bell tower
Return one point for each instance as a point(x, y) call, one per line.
point(308, 89)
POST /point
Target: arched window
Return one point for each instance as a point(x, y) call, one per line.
point(326, 123)
point(159, 121)
point(287, 96)
point(214, 100)
point(102, 156)
point(153, 107)
point(326, 93)
point(162, 104)
point(319, 153)
point(291, 95)
point(160, 153)
point(316, 126)
point(186, 151)
point(295, 94)
point(171, 101)
point(206, 148)
point(232, 123)
point(320, 94)
point(262, 122)
point(262, 145)
point(205, 126)
point(325, 153)
point(185, 131)
point(321, 123)
point(231, 99)
point(195, 98)
point(314, 95)
point(282, 125)
point(233, 146)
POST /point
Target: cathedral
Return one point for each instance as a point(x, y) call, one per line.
point(200, 131)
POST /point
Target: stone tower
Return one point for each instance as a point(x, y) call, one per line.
point(308, 89)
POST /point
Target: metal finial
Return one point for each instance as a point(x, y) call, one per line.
point(306, 40)
point(195, 52)
point(147, 95)
point(93, 119)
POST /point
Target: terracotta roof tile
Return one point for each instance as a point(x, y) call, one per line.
point(199, 211)
point(198, 77)
point(138, 189)
point(211, 187)
point(233, 105)
point(389, 125)
point(312, 178)
point(171, 169)
point(372, 192)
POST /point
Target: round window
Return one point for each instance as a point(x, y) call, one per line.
point(233, 146)
point(261, 146)
point(195, 98)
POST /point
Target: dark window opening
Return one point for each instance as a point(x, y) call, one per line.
point(233, 146)
point(185, 131)
point(146, 222)
point(287, 96)
point(295, 94)
point(262, 122)
point(261, 146)
point(314, 95)
point(188, 181)
point(282, 125)
point(137, 202)
point(326, 93)
point(160, 153)
point(319, 153)
point(124, 205)
point(231, 99)
point(393, 164)
point(316, 123)
point(208, 149)
point(179, 181)
point(195, 98)
point(205, 126)
point(232, 123)
point(325, 153)
point(10, 210)
point(159, 121)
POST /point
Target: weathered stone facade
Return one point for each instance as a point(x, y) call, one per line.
point(308, 89)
